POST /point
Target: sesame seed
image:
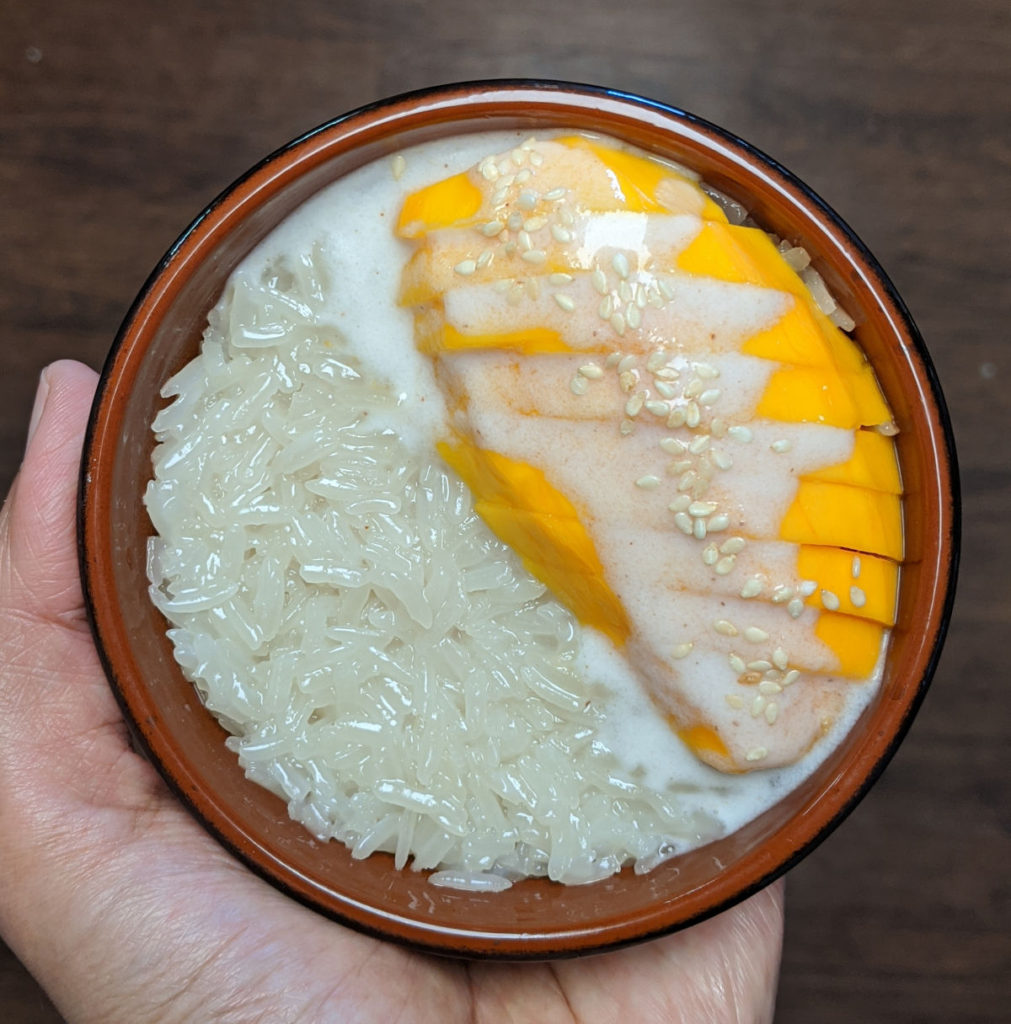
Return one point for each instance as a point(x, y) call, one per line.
point(656, 360)
point(752, 588)
point(737, 664)
point(710, 397)
point(760, 665)
point(618, 323)
point(679, 467)
point(725, 627)
point(664, 388)
point(795, 608)
point(515, 221)
point(719, 522)
point(398, 165)
point(694, 388)
point(791, 677)
point(578, 385)
point(627, 427)
point(771, 712)
point(721, 460)
point(521, 179)
point(755, 635)
point(699, 529)
point(555, 194)
point(625, 291)
point(566, 216)
point(857, 597)
point(492, 228)
point(676, 418)
point(702, 508)
point(527, 199)
point(781, 446)
point(488, 170)
point(620, 263)
point(757, 706)
point(732, 546)
point(640, 296)
point(806, 588)
point(855, 567)
point(536, 159)
point(756, 754)
point(667, 373)
point(658, 408)
point(742, 434)
point(534, 223)
point(829, 601)
point(724, 566)
point(523, 241)
point(734, 701)
point(692, 415)
point(499, 196)
point(749, 679)
point(628, 379)
point(682, 650)
point(710, 554)
point(560, 278)
point(706, 371)
point(688, 480)
point(591, 371)
point(680, 503)
point(466, 267)
point(718, 428)
point(666, 288)
point(648, 482)
point(634, 405)
point(485, 258)
point(534, 256)
point(606, 308)
point(560, 234)
point(672, 445)
point(632, 316)
point(780, 659)
point(613, 358)
point(519, 157)
point(684, 522)
point(781, 594)
point(563, 301)
point(769, 687)
point(699, 444)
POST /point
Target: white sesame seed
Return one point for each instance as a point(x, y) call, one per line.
point(606, 308)
point(634, 405)
point(781, 446)
point(680, 503)
point(688, 480)
point(560, 234)
point(618, 323)
point(488, 170)
point(706, 371)
point(795, 608)
point(657, 408)
point(515, 221)
point(780, 659)
point(536, 159)
point(769, 687)
point(560, 278)
point(757, 706)
point(613, 358)
point(677, 417)
point(522, 178)
point(737, 664)
point(523, 240)
point(519, 157)
point(499, 196)
point(806, 588)
point(527, 199)
point(721, 460)
point(492, 228)
point(466, 267)
point(692, 415)
point(534, 256)
point(829, 601)
point(627, 363)
point(632, 316)
point(648, 482)
point(791, 677)
point(555, 194)
point(725, 627)
point(682, 650)
point(735, 701)
point(578, 385)
point(710, 397)
point(752, 588)
point(628, 379)
point(534, 223)
point(640, 296)
point(672, 445)
point(724, 566)
point(710, 554)
point(591, 371)
point(857, 597)
point(699, 529)
point(755, 635)
point(718, 428)
point(732, 546)
point(566, 216)
point(625, 291)
point(666, 288)
point(781, 594)
point(759, 665)
point(485, 258)
point(680, 466)
point(684, 522)
point(398, 165)
point(702, 508)
point(694, 388)
point(756, 754)
point(620, 263)
point(656, 360)
point(855, 567)
point(664, 388)
point(771, 712)
point(719, 522)
point(563, 301)
point(699, 444)
point(627, 427)
point(742, 434)
point(667, 373)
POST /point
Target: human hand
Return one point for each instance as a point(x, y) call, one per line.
point(125, 910)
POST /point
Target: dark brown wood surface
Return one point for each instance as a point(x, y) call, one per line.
point(118, 122)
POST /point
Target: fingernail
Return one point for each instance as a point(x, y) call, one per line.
point(41, 394)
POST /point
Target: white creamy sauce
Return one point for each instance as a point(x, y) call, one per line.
point(349, 227)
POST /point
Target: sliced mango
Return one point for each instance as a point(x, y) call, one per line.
point(432, 335)
point(872, 465)
point(447, 202)
point(832, 569)
point(835, 515)
point(543, 527)
point(702, 740)
point(805, 394)
point(855, 642)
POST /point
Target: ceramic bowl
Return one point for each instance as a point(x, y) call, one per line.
point(535, 918)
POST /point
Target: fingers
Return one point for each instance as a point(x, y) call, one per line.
point(38, 552)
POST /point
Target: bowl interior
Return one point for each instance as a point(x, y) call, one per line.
point(534, 918)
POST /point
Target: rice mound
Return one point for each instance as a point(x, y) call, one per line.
point(384, 664)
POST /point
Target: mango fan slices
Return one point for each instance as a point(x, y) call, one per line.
point(650, 408)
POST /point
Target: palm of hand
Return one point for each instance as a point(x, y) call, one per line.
point(127, 911)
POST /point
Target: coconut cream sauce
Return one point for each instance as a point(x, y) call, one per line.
point(348, 232)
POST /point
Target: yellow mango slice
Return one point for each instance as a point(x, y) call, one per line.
point(835, 515)
point(832, 569)
point(701, 740)
point(432, 335)
point(855, 642)
point(806, 394)
point(446, 202)
point(542, 526)
point(873, 465)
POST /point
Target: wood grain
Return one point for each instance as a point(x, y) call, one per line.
point(119, 122)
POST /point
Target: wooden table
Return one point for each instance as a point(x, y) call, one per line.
point(119, 122)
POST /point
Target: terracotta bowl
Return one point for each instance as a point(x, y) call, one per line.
point(534, 918)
